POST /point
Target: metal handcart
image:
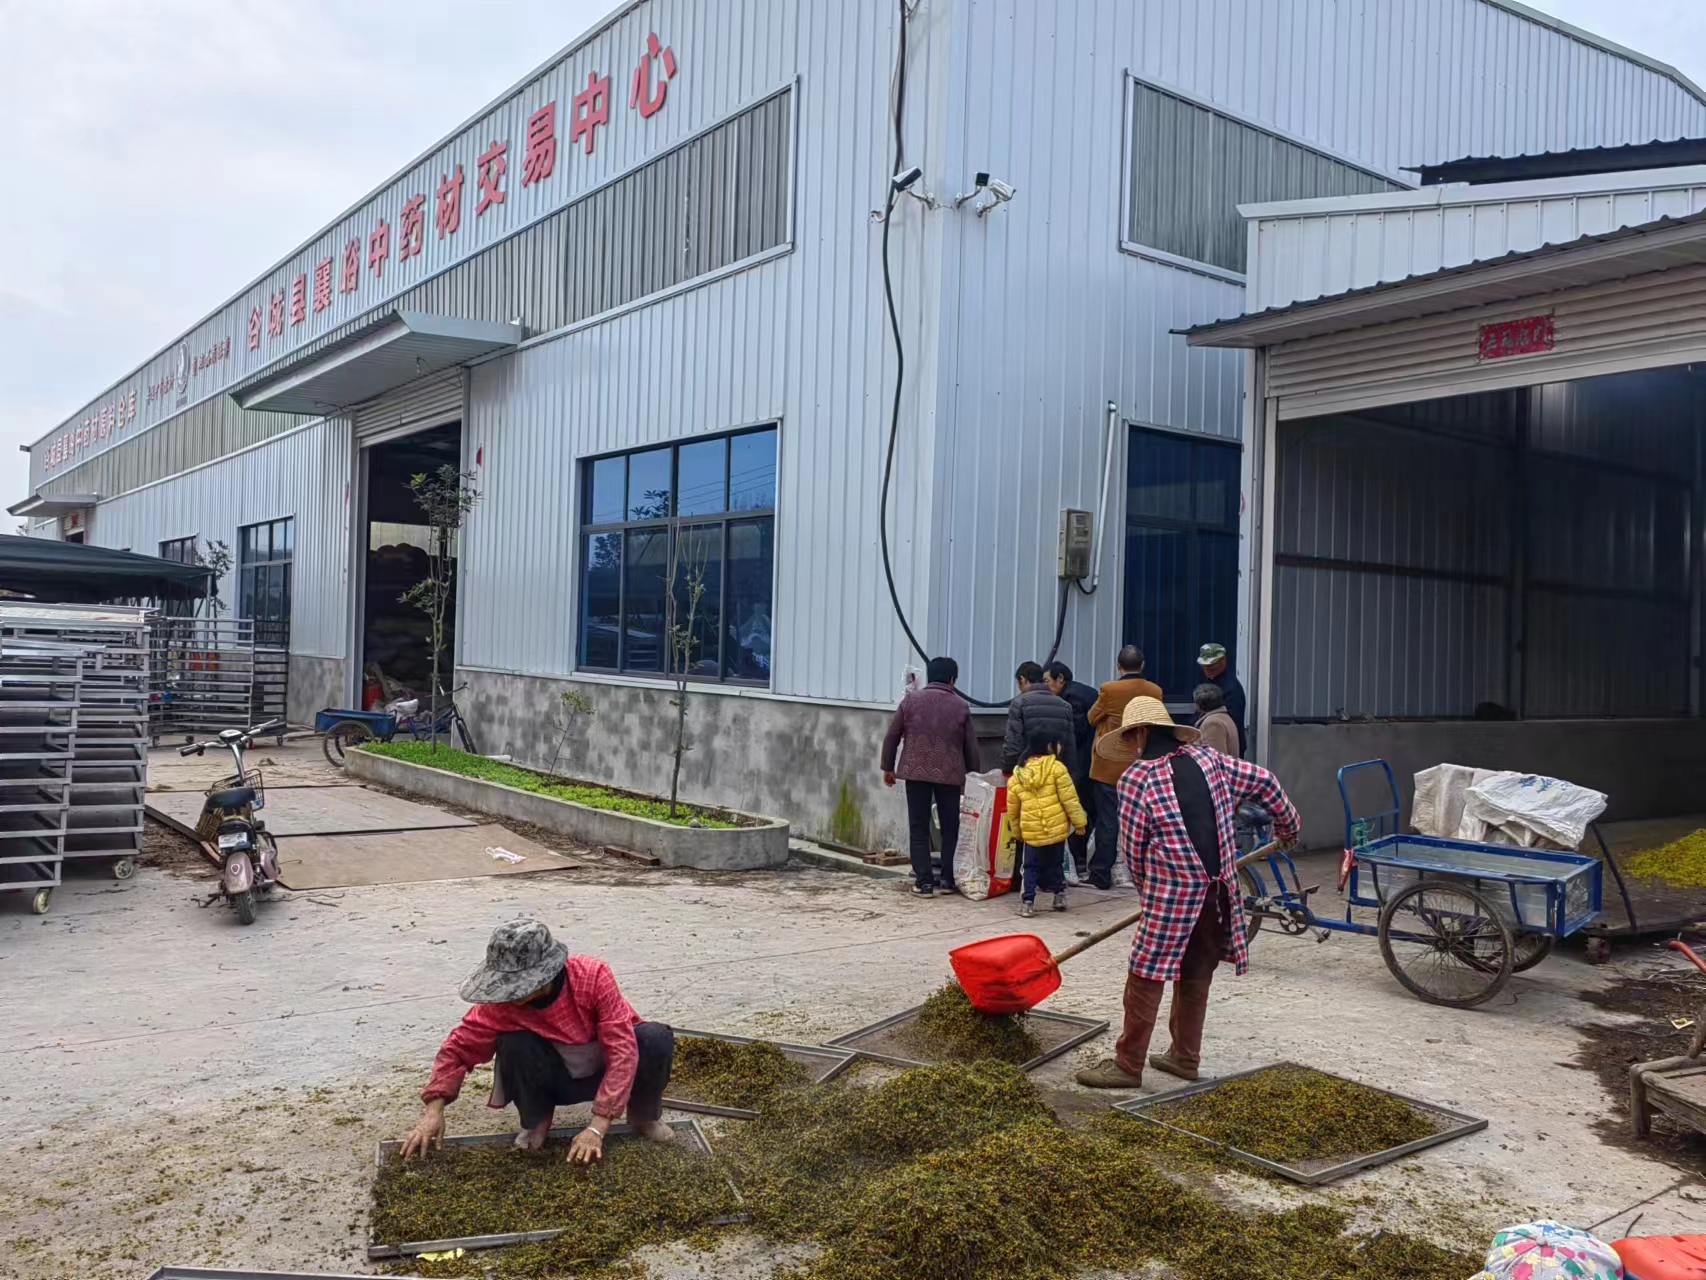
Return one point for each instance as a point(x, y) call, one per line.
point(1455, 918)
point(342, 728)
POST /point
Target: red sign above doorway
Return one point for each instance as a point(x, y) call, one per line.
point(1526, 337)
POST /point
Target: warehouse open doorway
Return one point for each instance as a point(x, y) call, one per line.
point(400, 548)
point(1508, 579)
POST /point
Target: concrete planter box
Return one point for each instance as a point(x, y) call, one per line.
point(704, 848)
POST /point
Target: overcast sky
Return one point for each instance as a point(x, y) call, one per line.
point(158, 155)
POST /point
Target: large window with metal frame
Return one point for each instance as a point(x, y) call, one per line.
point(180, 551)
point(1181, 570)
point(679, 540)
point(264, 555)
point(1189, 167)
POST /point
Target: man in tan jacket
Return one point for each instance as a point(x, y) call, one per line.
point(1104, 774)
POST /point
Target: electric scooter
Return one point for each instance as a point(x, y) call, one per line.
point(230, 834)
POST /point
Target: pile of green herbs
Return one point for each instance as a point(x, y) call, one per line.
point(958, 1172)
point(643, 1192)
point(509, 775)
point(1288, 1114)
point(949, 1029)
point(727, 1074)
point(1680, 864)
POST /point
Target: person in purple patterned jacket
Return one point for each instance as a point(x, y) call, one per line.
point(937, 746)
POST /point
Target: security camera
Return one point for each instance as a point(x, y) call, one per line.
point(999, 194)
point(978, 184)
point(904, 179)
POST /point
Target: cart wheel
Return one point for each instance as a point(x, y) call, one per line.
point(1531, 949)
point(245, 904)
point(1248, 890)
point(38, 903)
point(124, 868)
point(340, 737)
point(1599, 950)
point(1446, 944)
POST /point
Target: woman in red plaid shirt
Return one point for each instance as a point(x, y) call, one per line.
point(1177, 800)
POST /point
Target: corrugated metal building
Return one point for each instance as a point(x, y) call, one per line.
point(1478, 482)
point(670, 238)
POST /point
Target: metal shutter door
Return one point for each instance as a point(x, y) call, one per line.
point(1644, 322)
point(430, 402)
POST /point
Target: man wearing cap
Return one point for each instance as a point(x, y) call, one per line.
point(1177, 799)
point(1216, 669)
point(562, 1034)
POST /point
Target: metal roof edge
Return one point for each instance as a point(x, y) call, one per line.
point(1600, 42)
point(1514, 265)
point(1674, 176)
point(592, 33)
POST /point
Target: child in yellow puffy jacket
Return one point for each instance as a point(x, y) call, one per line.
point(1043, 809)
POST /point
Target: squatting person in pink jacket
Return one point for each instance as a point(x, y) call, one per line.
point(562, 1034)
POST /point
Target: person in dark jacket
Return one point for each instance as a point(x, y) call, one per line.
point(933, 735)
point(1080, 697)
point(1035, 708)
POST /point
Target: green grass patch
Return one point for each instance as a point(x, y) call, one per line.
point(594, 797)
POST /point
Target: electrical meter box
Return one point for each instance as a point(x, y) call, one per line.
point(1077, 529)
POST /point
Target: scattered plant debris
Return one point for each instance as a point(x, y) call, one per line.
point(1681, 863)
point(948, 1027)
point(726, 1074)
point(1287, 1114)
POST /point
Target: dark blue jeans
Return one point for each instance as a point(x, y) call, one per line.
point(1107, 834)
point(1080, 844)
point(919, 797)
point(1045, 868)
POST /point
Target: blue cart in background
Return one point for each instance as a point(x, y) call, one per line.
point(1455, 918)
point(341, 728)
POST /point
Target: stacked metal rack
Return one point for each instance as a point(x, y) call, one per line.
point(107, 775)
point(40, 684)
point(209, 674)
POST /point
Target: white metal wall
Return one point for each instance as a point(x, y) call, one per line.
point(798, 340)
point(1045, 320)
point(304, 475)
point(1316, 251)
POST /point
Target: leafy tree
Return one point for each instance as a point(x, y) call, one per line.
point(217, 557)
point(445, 498)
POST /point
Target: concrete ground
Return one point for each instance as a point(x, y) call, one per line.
point(175, 1088)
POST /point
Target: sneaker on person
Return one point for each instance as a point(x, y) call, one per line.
point(1027, 909)
point(923, 891)
point(1060, 901)
point(1108, 1074)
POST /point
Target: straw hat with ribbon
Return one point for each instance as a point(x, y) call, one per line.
point(1120, 746)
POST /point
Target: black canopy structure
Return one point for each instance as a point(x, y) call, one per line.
point(74, 573)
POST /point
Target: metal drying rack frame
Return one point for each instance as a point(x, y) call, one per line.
point(1088, 1029)
point(412, 1248)
point(1458, 1125)
point(838, 1061)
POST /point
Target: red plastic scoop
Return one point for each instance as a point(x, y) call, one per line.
point(1015, 972)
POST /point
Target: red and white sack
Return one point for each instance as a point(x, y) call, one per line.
point(983, 859)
